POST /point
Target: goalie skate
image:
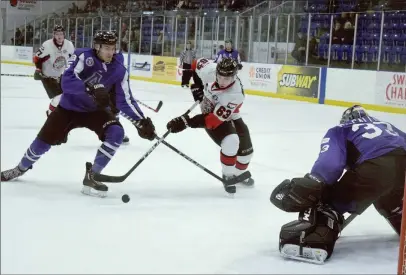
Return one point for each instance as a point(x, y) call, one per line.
point(304, 254)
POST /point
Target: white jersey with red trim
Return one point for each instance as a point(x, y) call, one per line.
point(223, 103)
point(53, 59)
point(206, 70)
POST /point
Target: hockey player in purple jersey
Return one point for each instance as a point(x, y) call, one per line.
point(120, 58)
point(87, 84)
point(373, 153)
point(229, 52)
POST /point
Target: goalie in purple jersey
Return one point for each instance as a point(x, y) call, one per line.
point(362, 161)
point(87, 87)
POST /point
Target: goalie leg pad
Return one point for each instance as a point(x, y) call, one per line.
point(390, 207)
point(312, 237)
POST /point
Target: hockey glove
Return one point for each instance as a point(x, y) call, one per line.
point(239, 66)
point(178, 124)
point(100, 95)
point(145, 128)
point(38, 74)
point(197, 92)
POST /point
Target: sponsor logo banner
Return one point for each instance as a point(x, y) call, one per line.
point(164, 68)
point(299, 81)
point(391, 89)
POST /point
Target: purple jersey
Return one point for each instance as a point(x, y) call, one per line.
point(226, 54)
point(86, 67)
point(354, 142)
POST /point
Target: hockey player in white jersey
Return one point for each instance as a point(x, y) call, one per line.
point(51, 61)
point(221, 95)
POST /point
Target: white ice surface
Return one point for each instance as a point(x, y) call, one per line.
point(179, 219)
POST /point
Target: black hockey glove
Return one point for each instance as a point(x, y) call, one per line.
point(100, 95)
point(197, 92)
point(178, 124)
point(145, 128)
point(38, 74)
point(239, 66)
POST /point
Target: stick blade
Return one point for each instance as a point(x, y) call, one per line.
point(107, 178)
point(240, 178)
point(160, 103)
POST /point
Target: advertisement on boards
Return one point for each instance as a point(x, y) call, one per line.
point(23, 53)
point(141, 65)
point(260, 77)
point(299, 81)
point(164, 68)
point(391, 89)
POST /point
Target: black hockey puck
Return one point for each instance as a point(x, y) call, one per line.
point(125, 198)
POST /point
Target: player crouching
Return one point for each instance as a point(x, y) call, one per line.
point(85, 103)
point(374, 154)
point(220, 103)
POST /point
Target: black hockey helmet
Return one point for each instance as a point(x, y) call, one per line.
point(227, 67)
point(105, 37)
point(59, 28)
point(354, 112)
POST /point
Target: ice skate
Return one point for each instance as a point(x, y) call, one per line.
point(12, 173)
point(230, 188)
point(92, 187)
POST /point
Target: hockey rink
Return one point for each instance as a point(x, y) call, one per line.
point(179, 219)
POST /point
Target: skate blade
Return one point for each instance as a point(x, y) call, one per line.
point(230, 195)
point(310, 255)
point(243, 185)
point(92, 192)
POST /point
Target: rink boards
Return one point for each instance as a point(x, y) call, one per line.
point(379, 91)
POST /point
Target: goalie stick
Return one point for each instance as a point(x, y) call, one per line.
point(112, 179)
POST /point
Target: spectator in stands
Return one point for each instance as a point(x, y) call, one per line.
point(159, 41)
point(338, 34)
point(348, 37)
point(299, 51)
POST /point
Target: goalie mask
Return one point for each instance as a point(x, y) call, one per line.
point(353, 112)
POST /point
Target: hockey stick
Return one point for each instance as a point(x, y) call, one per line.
point(235, 180)
point(156, 110)
point(107, 178)
point(23, 75)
